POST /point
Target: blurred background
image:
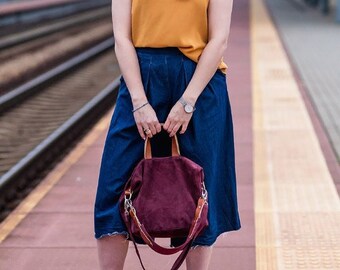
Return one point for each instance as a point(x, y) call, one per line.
point(59, 80)
point(55, 57)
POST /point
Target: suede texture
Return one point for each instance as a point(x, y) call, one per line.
point(165, 195)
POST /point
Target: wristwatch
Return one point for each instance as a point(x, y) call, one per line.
point(188, 108)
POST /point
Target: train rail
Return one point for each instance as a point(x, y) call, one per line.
point(44, 28)
point(30, 12)
point(37, 131)
point(25, 55)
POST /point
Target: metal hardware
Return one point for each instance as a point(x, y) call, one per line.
point(204, 192)
point(128, 202)
point(188, 108)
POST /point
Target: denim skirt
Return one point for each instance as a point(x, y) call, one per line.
point(208, 141)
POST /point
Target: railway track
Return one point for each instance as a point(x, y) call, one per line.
point(24, 55)
point(45, 28)
point(20, 15)
point(55, 110)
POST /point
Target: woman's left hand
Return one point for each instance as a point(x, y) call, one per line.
point(177, 118)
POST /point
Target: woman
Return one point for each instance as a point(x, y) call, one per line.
point(170, 53)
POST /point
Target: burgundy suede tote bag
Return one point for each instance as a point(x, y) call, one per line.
point(165, 197)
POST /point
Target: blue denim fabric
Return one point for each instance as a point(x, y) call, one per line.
point(208, 141)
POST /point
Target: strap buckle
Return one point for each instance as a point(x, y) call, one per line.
point(204, 192)
point(128, 201)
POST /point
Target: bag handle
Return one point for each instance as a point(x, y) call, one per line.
point(174, 146)
point(168, 251)
point(197, 226)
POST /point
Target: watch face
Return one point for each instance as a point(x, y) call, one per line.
point(188, 108)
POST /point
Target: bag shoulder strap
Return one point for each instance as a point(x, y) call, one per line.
point(197, 226)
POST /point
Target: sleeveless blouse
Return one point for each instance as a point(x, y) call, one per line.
point(172, 23)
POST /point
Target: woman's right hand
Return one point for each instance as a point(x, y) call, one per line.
point(146, 118)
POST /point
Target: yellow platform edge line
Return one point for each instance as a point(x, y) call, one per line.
point(52, 178)
point(296, 205)
point(266, 257)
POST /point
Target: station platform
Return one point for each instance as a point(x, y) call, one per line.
point(287, 176)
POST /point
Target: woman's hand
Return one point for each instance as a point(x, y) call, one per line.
point(146, 118)
point(177, 118)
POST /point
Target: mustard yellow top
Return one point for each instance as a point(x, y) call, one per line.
point(172, 23)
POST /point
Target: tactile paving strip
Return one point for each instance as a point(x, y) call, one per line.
point(297, 208)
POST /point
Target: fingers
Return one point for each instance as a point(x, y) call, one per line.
point(158, 127)
point(166, 124)
point(147, 130)
point(175, 129)
point(184, 128)
point(173, 126)
point(147, 122)
point(169, 123)
point(153, 125)
point(146, 119)
point(141, 131)
point(177, 118)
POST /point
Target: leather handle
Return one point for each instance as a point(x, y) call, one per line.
point(174, 146)
point(194, 230)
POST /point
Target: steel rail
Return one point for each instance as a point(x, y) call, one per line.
point(17, 95)
point(35, 13)
point(14, 183)
point(29, 35)
point(43, 154)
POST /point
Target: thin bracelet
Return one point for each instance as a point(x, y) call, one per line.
point(140, 107)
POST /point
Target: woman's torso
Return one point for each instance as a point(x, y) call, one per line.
point(172, 23)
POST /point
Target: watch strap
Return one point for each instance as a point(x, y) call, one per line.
point(184, 102)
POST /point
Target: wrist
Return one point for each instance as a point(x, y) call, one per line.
point(190, 98)
point(187, 106)
point(138, 100)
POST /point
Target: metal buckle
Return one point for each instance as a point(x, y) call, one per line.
point(128, 203)
point(204, 192)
